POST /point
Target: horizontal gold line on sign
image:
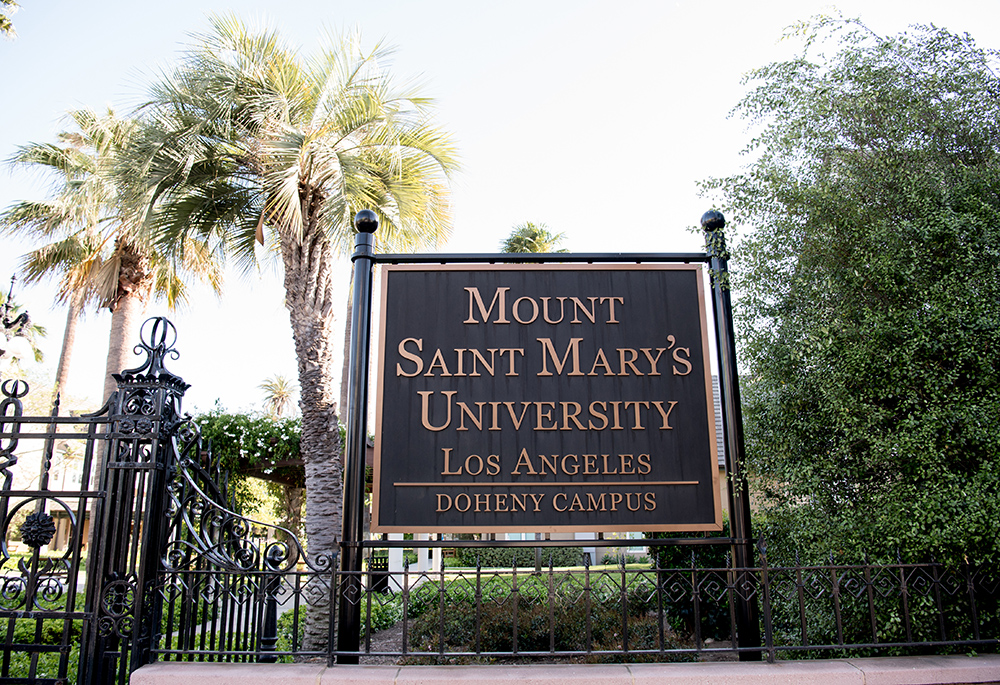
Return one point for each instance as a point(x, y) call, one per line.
point(541, 485)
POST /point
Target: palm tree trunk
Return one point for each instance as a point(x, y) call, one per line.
point(309, 299)
point(125, 318)
point(127, 306)
point(126, 309)
point(345, 370)
point(69, 339)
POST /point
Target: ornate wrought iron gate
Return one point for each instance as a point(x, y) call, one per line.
point(120, 544)
point(82, 508)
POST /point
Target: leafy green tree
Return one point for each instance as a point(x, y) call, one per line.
point(247, 142)
point(266, 447)
point(531, 237)
point(868, 287)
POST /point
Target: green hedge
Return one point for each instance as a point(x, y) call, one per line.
point(505, 557)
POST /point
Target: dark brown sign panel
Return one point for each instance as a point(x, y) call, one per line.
point(544, 398)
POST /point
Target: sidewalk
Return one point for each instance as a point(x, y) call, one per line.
point(921, 670)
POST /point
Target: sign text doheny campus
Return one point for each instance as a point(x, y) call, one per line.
point(544, 398)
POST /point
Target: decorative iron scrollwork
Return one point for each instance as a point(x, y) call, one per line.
point(10, 409)
point(204, 528)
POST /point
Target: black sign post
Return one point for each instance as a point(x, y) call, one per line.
point(348, 639)
point(747, 622)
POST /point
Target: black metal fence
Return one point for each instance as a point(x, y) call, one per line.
point(623, 611)
point(173, 572)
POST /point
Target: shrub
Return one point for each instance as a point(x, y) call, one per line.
point(524, 557)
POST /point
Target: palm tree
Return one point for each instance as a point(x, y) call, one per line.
point(246, 142)
point(531, 237)
point(98, 254)
point(7, 7)
point(278, 393)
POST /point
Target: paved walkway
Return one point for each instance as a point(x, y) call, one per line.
point(922, 670)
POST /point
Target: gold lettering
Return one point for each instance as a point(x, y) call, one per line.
point(525, 460)
point(495, 415)
point(638, 425)
point(483, 500)
point(577, 504)
point(438, 360)
point(511, 351)
point(630, 362)
point(476, 298)
point(599, 415)
point(573, 348)
point(477, 355)
point(515, 502)
point(493, 464)
point(468, 502)
point(644, 465)
point(628, 501)
point(534, 310)
point(415, 358)
point(596, 504)
point(665, 415)
point(517, 420)
point(616, 499)
point(607, 470)
point(590, 465)
point(567, 416)
point(441, 497)
point(685, 362)
point(626, 460)
point(545, 309)
point(611, 307)
point(545, 415)
point(546, 462)
point(447, 455)
point(537, 499)
point(653, 360)
point(465, 411)
point(617, 425)
point(554, 504)
point(424, 402)
point(578, 306)
point(601, 360)
point(576, 465)
point(469, 469)
point(650, 498)
point(501, 502)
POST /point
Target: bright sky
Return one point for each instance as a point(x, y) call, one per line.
point(595, 118)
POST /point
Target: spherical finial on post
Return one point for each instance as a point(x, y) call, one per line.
point(713, 220)
point(366, 221)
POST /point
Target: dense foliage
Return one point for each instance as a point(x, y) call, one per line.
point(259, 445)
point(250, 439)
point(868, 294)
point(550, 612)
point(522, 557)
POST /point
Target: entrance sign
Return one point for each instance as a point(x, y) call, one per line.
point(544, 398)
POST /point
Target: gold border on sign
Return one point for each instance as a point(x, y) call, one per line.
point(699, 270)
